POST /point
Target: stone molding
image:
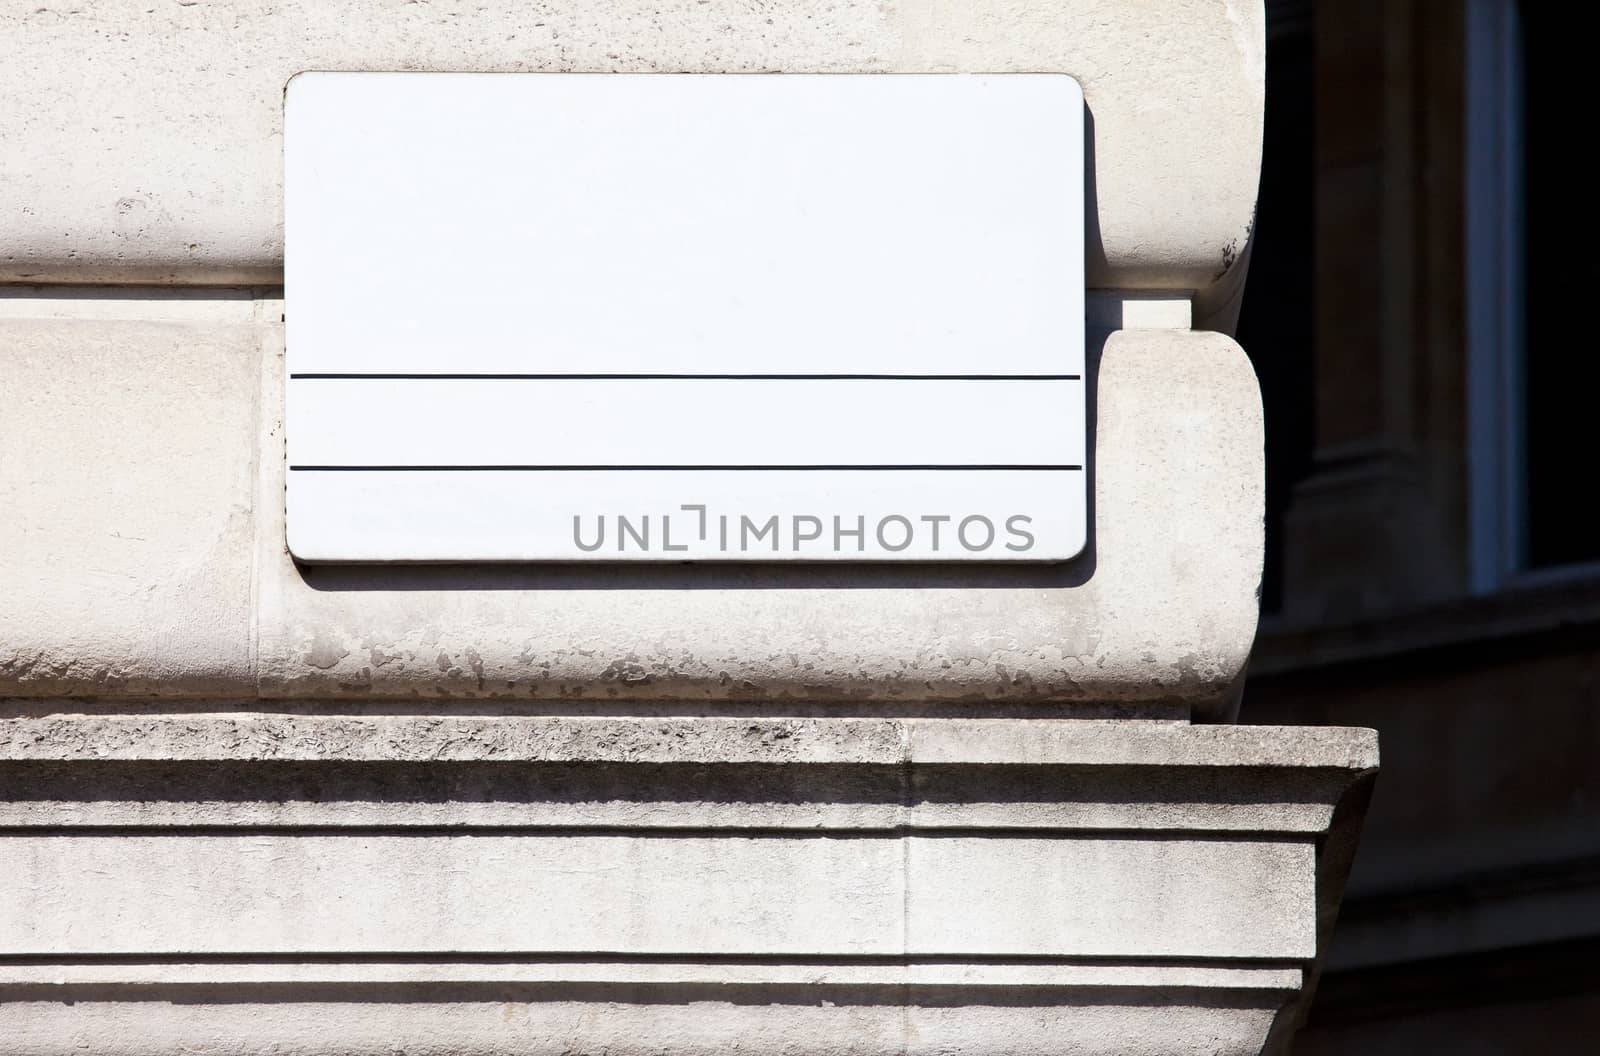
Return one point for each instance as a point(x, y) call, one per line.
point(166, 165)
point(144, 488)
point(347, 883)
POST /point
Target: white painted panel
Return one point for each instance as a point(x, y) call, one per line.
point(687, 422)
point(699, 224)
point(864, 274)
point(1026, 515)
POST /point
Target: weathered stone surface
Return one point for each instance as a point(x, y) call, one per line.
point(216, 881)
point(831, 893)
point(34, 731)
point(143, 555)
point(166, 163)
point(270, 770)
point(694, 1021)
point(127, 481)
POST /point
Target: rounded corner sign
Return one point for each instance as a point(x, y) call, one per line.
point(685, 317)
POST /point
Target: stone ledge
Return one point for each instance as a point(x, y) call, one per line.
point(1527, 609)
point(700, 739)
point(402, 773)
point(837, 974)
point(713, 885)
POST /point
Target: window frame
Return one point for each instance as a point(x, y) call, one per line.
point(1493, 144)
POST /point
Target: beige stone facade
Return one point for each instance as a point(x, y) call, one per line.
point(251, 805)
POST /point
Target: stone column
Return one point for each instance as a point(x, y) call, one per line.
point(247, 804)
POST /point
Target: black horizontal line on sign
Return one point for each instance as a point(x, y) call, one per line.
point(685, 377)
point(643, 468)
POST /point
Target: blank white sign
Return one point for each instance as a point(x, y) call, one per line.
point(581, 317)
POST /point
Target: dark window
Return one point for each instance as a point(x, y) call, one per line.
point(1560, 237)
